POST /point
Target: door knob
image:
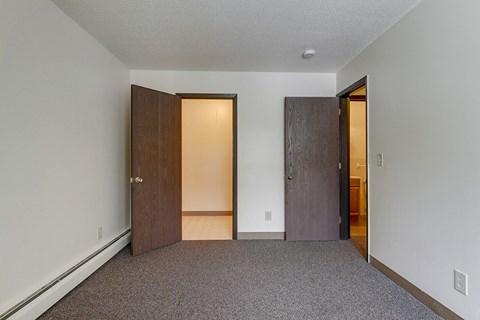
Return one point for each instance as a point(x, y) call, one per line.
point(138, 180)
point(290, 178)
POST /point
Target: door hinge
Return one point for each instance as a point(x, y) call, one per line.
point(339, 111)
point(339, 166)
point(340, 219)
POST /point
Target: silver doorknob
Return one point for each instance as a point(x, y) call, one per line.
point(138, 180)
point(290, 178)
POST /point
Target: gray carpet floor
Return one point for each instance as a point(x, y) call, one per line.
point(240, 280)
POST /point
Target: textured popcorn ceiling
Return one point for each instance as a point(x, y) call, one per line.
point(235, 35)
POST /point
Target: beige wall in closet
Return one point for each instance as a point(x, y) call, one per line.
point(206, 155)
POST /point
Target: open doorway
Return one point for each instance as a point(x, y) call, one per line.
point(358, 168)
point(208, 166)
point(354, 156)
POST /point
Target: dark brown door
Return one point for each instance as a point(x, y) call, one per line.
point(311, 169)
point(156, 170)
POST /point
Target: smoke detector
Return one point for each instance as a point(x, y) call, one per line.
point(308, 53)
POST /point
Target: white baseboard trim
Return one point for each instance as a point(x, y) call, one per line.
point(261, 236)
point(47, 299)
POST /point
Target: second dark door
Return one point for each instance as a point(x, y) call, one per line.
point(312, 169)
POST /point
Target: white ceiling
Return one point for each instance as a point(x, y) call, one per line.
point(236, 35)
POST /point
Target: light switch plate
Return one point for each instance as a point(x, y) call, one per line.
point(379, 159)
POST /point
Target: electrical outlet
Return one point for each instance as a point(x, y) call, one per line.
point(461, 282)
point(268, 215)
point(99, 233)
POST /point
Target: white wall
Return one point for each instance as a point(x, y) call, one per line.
point(207, 155)
point(64, 114)
point(424, 212)
point(260, 130)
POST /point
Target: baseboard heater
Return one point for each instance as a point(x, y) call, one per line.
point(55, 281)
